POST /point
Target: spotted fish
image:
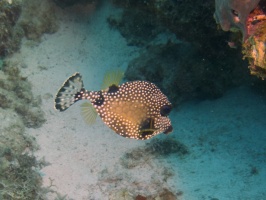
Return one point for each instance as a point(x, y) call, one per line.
point(136, 109)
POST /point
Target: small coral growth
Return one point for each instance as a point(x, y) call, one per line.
point(16, 95)
point(156, 148)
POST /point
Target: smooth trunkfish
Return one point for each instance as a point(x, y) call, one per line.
point(135, 109)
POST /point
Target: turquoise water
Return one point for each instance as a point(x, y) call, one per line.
point(226, 137)
point(217, 150)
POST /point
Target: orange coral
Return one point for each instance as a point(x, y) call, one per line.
point(254, 46)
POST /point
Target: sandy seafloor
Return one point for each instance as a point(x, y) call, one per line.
point(226, 137)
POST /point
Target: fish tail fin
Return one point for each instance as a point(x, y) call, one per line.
point(112, 77)
point(71, 91)
point(88, 113)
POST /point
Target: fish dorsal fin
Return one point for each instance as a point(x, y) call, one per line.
point(88, 113)
point(112, 77)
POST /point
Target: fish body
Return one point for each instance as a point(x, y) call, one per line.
point(136, 109)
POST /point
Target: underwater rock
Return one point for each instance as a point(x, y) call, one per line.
point(190, 20)
point(140, 197)
point(12, 131)
point(19, 18)
point(248, 18)
point(181, 78)
point(10, 33)
point(155, 149)
point(202, 67)
point(141, 30)
point(254, 46)
point(233, 14)
point(20, 176)
point(66, 3)
point(35, 24)
point(16, 95)
point(18, 179)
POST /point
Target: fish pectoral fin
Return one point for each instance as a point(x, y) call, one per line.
point(88, 113)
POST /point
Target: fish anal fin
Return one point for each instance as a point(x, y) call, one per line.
point(112, 77)
point(88, 113)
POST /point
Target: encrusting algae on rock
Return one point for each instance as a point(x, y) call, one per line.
point(254, 46)
point(249, 19)
point(136, 109)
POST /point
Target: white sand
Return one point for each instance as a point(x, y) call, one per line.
point(85, 160)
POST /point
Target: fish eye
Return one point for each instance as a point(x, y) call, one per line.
point(168, 130)
point(165, 110)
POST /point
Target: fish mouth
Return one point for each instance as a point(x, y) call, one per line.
point(168, 130)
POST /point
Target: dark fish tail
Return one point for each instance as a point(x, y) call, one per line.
point(71, 91)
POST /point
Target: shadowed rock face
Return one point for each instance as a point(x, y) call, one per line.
point(66, 3)
point(180, 71)
point(200, 66)
point(232, 14)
